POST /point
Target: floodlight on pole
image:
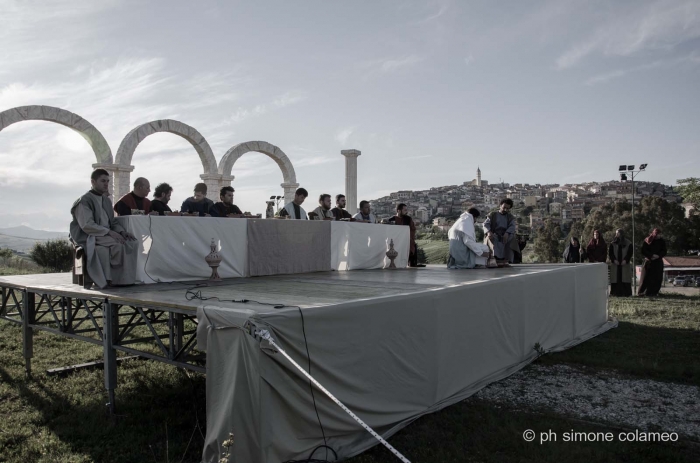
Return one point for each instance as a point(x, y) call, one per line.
point(642, 167)
point(623, 168)
point(630, 168)
point(623, 177)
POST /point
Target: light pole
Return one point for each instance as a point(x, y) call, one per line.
point(624, 170)
point(277, 200)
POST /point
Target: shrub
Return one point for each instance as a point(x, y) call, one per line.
point(55, 255)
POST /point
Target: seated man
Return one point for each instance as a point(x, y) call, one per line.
point(111, 251)
point(365, 215)
point(199, 203)
point(339, 211)
point(323, 211)
point(465, 252)
point(137, 199)
point(500, 230)
point(225, 207)
point(402, 218)
point(294, 210)
point(161, 198)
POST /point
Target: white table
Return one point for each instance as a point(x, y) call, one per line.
point(357, 246)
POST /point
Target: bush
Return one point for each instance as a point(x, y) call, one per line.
point(55, 255)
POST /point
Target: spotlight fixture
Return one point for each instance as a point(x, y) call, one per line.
point(623, 168)
point(623, 177)
point(272, 197)
point(630, 167)
point(643, 166)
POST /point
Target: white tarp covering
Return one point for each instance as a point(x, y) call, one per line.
point(357, 246)
point(389, 359)
point(178, 246)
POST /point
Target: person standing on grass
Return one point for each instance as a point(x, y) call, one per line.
point(653, 250)
point(596, 250)
point(620, 253)
point(573, 252)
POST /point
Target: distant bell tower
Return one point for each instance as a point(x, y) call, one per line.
point(478, 176)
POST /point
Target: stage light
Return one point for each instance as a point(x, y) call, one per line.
point(273, 197)
point(630, 167)
point(623, 177)
point(623, 168)
point(643, 166)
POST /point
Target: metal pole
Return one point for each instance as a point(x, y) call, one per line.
point(634, 262)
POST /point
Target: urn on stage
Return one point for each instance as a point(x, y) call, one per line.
point(213, 260)
point(392, 254)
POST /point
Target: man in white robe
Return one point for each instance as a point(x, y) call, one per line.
point(111, 250)
point(294, 210)
point(465, 251)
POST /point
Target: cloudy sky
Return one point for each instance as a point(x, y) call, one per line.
point(539, 92)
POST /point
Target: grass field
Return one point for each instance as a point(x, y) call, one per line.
point(162, 415)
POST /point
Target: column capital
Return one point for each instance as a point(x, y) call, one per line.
point(290, 185)
point(351, 153)
point(113, 167)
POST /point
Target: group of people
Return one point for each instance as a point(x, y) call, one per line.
point(137, 202)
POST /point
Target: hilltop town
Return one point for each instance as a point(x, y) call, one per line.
point(562, 203)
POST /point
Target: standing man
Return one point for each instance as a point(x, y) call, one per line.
point(402, 218)
point(573, 253)
point(199, 203)
point(323, 211)
point(137, 199)
point(500, 230)
point(465, 252)
point(111, 250)
point(620, 253)
point(339, 211)
point(225, 207)
point(365, 215)
point(294, 210)
point(161, 198)
point(654, 250)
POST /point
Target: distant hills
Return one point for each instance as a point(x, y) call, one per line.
point(22, 238)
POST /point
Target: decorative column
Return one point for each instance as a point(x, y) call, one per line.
point(289, 190)
point(351, 179)
point(213, 183)
point(120, 183)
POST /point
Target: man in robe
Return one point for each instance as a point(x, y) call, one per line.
point(225, 207)
point(111, 251)
point(596, 250)
point(500, 230)
point(517, 245)
point(620, 253)
point(136, 200)
point(339, 211)
point(573, 254)
point(365, 215)
point(323, 211)
point(199, 203)
point(465, 252)
point(402, 218)
point(294, 210)
point(161, 198)
point(654, 250)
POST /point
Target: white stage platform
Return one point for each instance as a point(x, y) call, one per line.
point(391, 345)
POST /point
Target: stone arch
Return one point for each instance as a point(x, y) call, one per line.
point(128, 145)
point(97, 142)
point(290, 177)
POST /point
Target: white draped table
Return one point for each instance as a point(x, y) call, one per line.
point(173, 248)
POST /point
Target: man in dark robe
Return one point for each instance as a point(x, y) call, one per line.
point(402, 218)
point(500, 231)
point(136, 200)
point(573, 254)
point(654, 250)
point(225, 207)
point(323, 211)
point(339, 211)
point(293, 210)
point(620, 253)
point(161, 198)
point(199, 203)
point(597, 251)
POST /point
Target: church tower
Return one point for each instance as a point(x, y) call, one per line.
point(478, 176)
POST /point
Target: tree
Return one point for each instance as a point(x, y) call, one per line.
point(689, 189)
point(54, 255)
point(546, 243)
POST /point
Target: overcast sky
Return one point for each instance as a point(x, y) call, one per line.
point(538, 92)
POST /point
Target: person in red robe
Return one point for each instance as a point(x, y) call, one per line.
point(135, 200)
point(597, 250)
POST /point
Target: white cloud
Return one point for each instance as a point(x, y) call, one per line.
point(660, 26)
point(343, 135)
point(391, 65)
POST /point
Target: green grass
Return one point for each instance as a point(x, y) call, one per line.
point(162, 409)
point(436, 252)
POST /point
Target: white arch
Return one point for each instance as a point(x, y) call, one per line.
point(97, 142)
point(232, 155)
point(128, 145)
